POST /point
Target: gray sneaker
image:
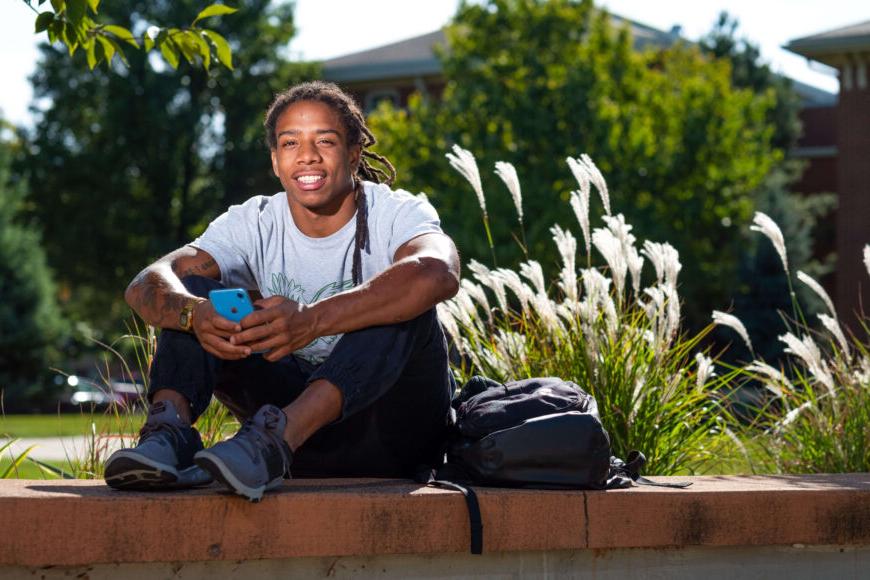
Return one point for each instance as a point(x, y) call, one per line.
point(163, 458)
point(255, 459)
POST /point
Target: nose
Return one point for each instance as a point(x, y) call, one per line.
point(308, 153)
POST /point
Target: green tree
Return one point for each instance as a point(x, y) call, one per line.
point(71, 22)
point(148, 155)
point(534, 82)
point(31, 327)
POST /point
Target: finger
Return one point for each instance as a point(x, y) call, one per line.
point(226, 349)
point(277, 354)
point(209, 329)
point(269, 343)
point(259, 318)
point(270, 301)
point(222, 323)
point(255, 333)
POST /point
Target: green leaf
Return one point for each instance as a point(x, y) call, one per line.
point(91, 53)
point(121, 33)
point(58, 5)
point(222, 48)
point(43, 20)
point(108, 48)
point(68, 36)
point(118, 49)
point(169, 51)
point(203, 49)
point(187, 47)
point(148, 42)
point(94, 4)
point(75, 10)
point(214, 10)
point(55, 30)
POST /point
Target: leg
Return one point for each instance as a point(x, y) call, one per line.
point(396, 389)
point(380, 405)
point(183, 378)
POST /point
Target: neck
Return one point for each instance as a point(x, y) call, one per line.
point(322, 222)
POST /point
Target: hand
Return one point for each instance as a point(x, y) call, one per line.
point(214, 331)
point(281, 326)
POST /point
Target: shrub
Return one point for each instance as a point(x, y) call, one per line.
point(597, 327)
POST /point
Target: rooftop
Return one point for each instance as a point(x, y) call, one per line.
point(824, 45)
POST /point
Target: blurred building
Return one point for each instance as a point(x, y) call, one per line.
point(395, 71)
point(847, 124)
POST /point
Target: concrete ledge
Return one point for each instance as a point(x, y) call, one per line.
point(63, 523)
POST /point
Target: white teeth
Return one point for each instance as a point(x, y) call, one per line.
point(309, 178)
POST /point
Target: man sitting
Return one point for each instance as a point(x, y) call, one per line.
point(353, 379)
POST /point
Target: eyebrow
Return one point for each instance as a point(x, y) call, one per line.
point(319, 132)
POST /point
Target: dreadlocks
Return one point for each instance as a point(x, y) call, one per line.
point(357, 134)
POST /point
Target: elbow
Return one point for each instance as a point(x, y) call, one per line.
point(130, 294)
point(443, 279)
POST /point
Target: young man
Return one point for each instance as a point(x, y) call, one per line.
point(353, 378)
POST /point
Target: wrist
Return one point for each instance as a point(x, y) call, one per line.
point(314, 315)
point(188, 314)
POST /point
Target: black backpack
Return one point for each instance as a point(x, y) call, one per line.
point(542, 433)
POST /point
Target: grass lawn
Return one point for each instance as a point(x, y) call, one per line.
point(68, 424)
point(29, 470)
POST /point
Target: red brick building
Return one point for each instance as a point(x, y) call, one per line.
point(847, 127)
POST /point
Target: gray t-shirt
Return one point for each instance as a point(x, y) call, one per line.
point(257, 246)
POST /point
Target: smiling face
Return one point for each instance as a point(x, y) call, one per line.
point(314, 162)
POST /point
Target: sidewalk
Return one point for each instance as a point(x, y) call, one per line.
point(63, 448)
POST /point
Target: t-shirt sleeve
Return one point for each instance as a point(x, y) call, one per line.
point(413, 217)
point(229, 239)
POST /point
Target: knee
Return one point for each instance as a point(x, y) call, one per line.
point(200, 285)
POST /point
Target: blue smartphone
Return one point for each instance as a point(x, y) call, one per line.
point(231, 303)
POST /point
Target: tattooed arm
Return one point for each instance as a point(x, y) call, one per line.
point(158, 296)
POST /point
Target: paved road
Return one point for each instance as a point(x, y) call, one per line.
point(63, 448)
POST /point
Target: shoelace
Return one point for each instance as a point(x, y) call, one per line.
point(149, 429)
point(254, 439)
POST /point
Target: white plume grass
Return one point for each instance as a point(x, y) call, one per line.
point(580, 204)
point(808, 351)
point(734, 323)
point(508, 174)
point(820, 292)
point(585, 172)
point(765, 225)
point(831, 324)
point(705, 370)
point(464, 162)
point(567, 246)
point(665, 260)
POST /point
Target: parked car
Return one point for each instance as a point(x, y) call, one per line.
point(87, 391)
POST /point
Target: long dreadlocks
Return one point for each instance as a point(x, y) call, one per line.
point(357, 134)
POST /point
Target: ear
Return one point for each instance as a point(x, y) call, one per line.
point(355, 153)
point(274, 154)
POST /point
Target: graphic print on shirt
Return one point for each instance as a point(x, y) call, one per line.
point(292, 290)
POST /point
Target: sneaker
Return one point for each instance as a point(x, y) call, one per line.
point(255, 459)
point(163, 458)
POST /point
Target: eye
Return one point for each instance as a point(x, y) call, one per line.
point(288, 143)
point(325, 141)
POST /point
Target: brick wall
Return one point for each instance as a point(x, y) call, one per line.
point(853, 180)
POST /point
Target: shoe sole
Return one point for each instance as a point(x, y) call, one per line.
point(129, 470)
point(219, 470)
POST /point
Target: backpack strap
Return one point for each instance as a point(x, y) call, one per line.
point(631, 468)
point(430, 476)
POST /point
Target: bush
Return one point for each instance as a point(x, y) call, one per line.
point(815, 417)
point(619, 342)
